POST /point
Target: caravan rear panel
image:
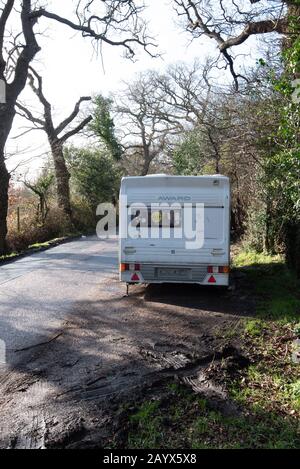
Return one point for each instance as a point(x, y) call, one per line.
point(165, 199)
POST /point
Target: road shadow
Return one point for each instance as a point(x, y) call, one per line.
point(110, 348)
point(239, 299)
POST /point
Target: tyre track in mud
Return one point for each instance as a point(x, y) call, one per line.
point(68, 391)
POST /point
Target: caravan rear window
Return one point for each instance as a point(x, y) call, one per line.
point(154, 217)
point(164, 218)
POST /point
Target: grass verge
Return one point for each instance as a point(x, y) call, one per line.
point(266, 394)
point(182, 419)
point(272, 383)
point(37, 247)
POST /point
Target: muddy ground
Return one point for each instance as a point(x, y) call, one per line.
point(114, 350)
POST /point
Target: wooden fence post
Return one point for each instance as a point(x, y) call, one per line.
point(18, 219)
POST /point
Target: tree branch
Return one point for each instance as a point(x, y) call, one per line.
point(75, 131)
point(110, 20)
point(38, 90)
point(259, 27)
point(29, 116)
point(201, 20)
point(72, 116)
point(28, 53)
point(3, 20)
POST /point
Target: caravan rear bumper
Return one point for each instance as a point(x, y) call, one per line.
point(150, 273)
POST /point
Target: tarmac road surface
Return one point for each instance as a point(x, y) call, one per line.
point(37, 292)
point(78, 348)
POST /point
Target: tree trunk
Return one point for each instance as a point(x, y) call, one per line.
point(146, 160)
point(146, 166)
point(7, 114)
point(240, 216)
point(12, 91)
point(62, 179)
point(269, 241)
point(4, 183)
point(292, 243)
point(297, 253)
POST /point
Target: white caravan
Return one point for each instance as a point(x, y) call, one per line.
point(154, 246)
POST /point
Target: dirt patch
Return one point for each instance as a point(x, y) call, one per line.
point(115, 352)
point(165, 413)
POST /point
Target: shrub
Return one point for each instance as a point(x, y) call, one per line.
point(32, 231)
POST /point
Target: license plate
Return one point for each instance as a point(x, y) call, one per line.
point(171, 272)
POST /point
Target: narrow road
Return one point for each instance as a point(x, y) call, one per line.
point(38, 292)
point(78, 350)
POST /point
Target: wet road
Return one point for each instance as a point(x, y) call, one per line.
point(38, 292)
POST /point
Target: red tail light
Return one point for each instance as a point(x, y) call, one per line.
point(132, 267)
point(223, 269)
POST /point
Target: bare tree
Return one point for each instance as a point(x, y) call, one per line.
point(113, 22)
point(194, 104)
point(57, 135)
point(41, 188)
point(231, 23)
point(220, 130)
point(187, 92)
point(141, 109)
